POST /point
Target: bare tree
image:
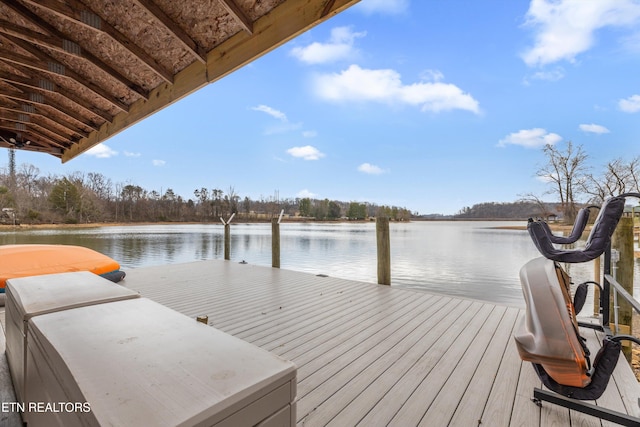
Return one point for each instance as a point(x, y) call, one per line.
point(566, 171)
point(543, 210)
point(619, 177)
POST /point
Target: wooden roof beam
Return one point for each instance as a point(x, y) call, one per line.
point(175, 29)
point(41, 82)
point(34, 137)
point(78, 12)
point(25, 118)
point(38, 98)
point(36, 111)
point(47, 64)
point(59, 42)
point(5, 143)
point(238, 15)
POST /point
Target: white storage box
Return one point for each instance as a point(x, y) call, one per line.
point(136, 362)
point(37, 295)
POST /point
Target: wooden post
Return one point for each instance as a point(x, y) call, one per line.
point(227, 241)
point(275, 243)
point(623, 241)
point(384, 251)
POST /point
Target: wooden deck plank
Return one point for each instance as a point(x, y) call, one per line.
point(523, 411)
point(472, 405)
point(611, 397)
point(293, 319)
point(323, 329)
point(366, 336)
point(397, 359)
point(337, 358)
point(426, 394)
point(450, 395)
point(404, 386)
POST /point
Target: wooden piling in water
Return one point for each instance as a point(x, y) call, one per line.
point(384, 250)
point(275, 243)
point(227, 241)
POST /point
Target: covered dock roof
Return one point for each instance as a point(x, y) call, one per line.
point(75, 72)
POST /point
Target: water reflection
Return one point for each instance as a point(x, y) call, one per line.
point(468, 259)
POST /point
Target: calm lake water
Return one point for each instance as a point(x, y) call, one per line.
point(468, 259)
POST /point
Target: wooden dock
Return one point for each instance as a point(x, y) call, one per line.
point(375, 355)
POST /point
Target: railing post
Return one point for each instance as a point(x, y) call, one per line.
point(384, 250)
point(623, 241)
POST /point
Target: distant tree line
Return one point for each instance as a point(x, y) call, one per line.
point(92, 197)
point(520, 210)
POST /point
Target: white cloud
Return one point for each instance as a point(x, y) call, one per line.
point(130, 154)
point(309, 133)
point(392, 7)
point(630, 105)
point(101, 151)
point(385, 85)
point(432, 75)
point(530, 138)
point(271, 111)
point(370, 169)
point(593, 128)
point(566, 28)
point(307, 152)
point(282, 128)
point(550, 75)
point(157, 162)
point(306, 193)
point(339, 46)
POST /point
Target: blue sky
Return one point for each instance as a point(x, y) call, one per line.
point(429, 105)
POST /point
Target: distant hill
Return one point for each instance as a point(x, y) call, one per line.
point(512, 210)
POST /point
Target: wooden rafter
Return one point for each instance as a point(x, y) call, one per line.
point(38, 98)
point(60, 42)
point(35, 137)
point(174, 28)
point(47, 64)
point(237, 14)
point(40, 115)
point(41, 82)
point(22, 117)
point(80, 13)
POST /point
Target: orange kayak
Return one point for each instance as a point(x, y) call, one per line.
point(36, 260)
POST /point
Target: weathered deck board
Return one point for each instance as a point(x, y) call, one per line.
point(376, 355)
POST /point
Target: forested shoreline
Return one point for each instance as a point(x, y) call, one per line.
point(27, 197)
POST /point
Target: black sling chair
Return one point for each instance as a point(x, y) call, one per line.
point(599, 237)
point(549, 337)
point(582, 218)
